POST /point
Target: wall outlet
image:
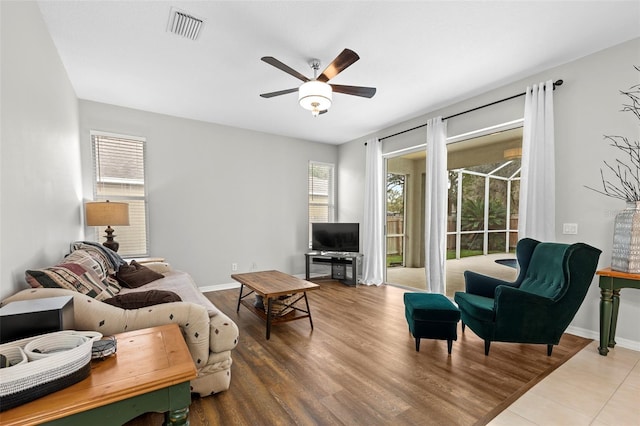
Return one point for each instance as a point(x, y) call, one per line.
point(234, 266)
point(254, 266)
point(570, 228)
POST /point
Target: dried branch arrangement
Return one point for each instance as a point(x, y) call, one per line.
point(625, 183)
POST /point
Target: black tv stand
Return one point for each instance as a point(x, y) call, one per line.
point(339, 262)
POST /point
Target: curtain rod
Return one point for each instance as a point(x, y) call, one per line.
point(555, 84)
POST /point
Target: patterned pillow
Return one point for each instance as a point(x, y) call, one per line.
point(97, 254)
point(99, 264)
point(85, 259)
point(78, 272)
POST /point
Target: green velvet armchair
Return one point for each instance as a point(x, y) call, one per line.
point(539, 305)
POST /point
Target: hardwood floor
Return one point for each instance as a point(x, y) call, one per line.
point(359, 366)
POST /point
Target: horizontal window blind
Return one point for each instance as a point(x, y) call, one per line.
point(120, 176)
point(321, 193)
point(321, 205)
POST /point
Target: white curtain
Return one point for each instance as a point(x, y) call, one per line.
point(436, 187)
point(373, 224)
point(537, 185)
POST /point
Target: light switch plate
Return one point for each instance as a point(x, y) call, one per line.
point(570, 228)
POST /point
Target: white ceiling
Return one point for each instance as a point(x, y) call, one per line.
point(420, 55)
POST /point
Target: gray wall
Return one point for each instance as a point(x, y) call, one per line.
point(217, 195)
point(586, 107)
point(39, 151)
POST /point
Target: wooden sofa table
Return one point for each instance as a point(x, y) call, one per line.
point(150, 372)
point(271, 285)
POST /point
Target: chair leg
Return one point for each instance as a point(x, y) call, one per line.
point(463, 326)
point(549, 349)
point(487, 343)
point(449, 345)
point(417, 344)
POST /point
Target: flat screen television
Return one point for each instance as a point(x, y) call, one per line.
point(335, 237)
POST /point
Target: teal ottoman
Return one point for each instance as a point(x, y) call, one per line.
point(431, 316)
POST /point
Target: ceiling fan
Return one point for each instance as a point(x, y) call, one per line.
point(315, 94)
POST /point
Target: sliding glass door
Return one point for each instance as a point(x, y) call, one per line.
point(482, 225)
point(396, 197)
point(405, 220)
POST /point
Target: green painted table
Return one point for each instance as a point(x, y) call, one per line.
point(149, 373)
point(610, 284)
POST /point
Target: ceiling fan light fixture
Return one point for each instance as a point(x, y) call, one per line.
point(315, 96)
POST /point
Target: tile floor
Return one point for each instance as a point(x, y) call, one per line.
point(415, 277)
point(589, 389)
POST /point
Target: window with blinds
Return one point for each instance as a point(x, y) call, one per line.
point(118, 164)
point(321, 193)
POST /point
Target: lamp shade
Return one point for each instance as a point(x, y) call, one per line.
point(99, 213)
point(315, 96)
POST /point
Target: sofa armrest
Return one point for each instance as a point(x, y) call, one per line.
point(91, 314)
point(224, 333)
point(159, 267)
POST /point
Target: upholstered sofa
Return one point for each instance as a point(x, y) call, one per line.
point(209, 333)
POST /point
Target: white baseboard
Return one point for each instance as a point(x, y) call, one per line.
point(219, 287)
point(229, 286)
point(595, 335)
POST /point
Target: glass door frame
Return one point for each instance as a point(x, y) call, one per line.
point(386, 157)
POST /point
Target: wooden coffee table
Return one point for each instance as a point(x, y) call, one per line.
point(271, 285)
point(150, 372)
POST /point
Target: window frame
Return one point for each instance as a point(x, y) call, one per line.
point(93, 134)
point(331, 194)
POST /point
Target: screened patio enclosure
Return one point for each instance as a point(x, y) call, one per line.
point(483, 209)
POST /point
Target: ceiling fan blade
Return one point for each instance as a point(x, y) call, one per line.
point(339, 64)
point(282, 67)
point(278, 93)
point(365, 92)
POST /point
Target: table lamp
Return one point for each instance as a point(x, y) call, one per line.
point(100, 213)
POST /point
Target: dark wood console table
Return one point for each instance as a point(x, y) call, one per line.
point(339, 263)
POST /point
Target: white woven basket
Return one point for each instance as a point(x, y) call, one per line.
point(64, 358)
point(51, 344)
point(15, 355)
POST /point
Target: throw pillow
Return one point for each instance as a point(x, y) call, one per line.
point(135, 275)
point(97, 255)
point(109, 259)
point(142, 299)
point(78, 272)
point(88, 256)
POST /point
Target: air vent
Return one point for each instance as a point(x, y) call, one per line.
point(184, 24)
